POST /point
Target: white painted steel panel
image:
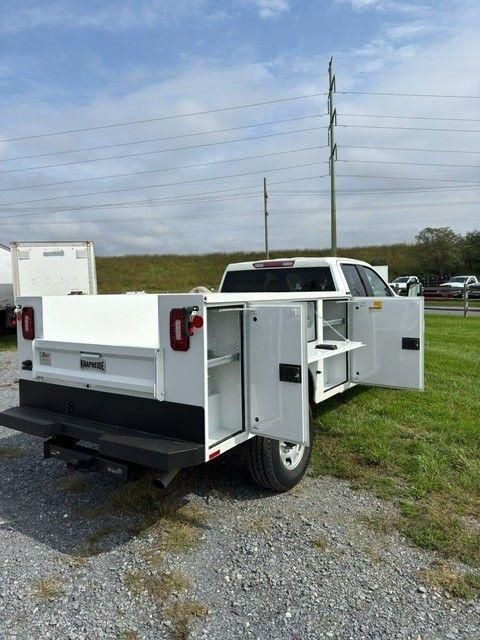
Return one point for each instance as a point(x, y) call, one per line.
point(53, 268)
point(105, 319)
point(277, 409)
point(381, 323)
point(185, 371)
point(128, 370)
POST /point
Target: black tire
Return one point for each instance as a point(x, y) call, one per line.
point(266, 467)
point(3, 322)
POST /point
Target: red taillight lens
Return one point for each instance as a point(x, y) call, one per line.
point(28, 323)
point(197, 322)
point(179, 332)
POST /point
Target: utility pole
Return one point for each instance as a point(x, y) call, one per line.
point(265, 212)
point(332, 112)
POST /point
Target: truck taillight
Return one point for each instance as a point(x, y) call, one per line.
point(28, 323)
point(183, 324)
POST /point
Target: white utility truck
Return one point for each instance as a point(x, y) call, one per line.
point(165, 381)
point(53, 268)
point(44, 268)
point(6, 289)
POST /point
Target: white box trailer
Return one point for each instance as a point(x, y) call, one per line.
point(7, 303)
point(53, 268)
point(165, 381)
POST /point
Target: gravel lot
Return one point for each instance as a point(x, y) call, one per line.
point(84, 557)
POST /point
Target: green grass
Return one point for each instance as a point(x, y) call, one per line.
point(451, 303)
point(8, 342)
point(420, 449)
point(155, 273)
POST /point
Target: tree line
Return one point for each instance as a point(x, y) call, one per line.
point(441, 251)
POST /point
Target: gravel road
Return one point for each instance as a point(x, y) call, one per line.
point(83, 557)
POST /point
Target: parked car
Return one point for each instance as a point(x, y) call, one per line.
point(455, 286)
point(402, 283)
point(474, 290)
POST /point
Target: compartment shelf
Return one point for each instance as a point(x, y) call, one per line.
point(226, 359)
point(342, 347)
point(334, 322)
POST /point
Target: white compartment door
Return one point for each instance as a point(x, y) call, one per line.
point(393, 332)
point(277, 373)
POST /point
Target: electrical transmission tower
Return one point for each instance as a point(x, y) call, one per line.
point(332, 112)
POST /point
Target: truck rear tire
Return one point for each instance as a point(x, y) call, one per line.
point(3, 322)
point(278, 466)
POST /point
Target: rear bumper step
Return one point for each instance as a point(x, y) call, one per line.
point(114, 443)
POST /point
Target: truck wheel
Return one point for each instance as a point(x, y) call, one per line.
point(275, 465)
point(3, 322)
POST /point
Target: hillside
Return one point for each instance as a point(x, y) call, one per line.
point(182, 272)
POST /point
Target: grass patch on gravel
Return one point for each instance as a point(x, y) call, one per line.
point(169, 525)
point(74, 485)
point(159, 587)
point(11, 453)
point(48, 588)
point(319, 542)
point(183, 614)
point(8, 342)
point(420, 449)
point(459, 584)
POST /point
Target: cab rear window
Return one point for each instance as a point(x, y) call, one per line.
point(272, 280)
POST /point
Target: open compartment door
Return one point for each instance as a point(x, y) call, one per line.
point(393, 332)
point(277, 379)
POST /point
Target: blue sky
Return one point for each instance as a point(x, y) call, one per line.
point(68, 65)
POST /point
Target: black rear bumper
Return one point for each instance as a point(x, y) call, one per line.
point(128, 445)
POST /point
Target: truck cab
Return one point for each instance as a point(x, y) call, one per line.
point(305, 274)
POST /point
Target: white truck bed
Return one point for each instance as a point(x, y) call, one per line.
point(124, 371)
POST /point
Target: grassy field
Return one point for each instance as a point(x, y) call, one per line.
point(421, 450)
point(181, 273)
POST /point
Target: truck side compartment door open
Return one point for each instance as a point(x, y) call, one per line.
point(393, 332)
point(277, 373)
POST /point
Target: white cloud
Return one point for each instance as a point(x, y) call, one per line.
point(118, 16)
point(270, 8)
point(386, 6)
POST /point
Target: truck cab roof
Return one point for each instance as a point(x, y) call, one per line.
point(293, 262)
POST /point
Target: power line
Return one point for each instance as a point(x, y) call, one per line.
point(373, 190)
point(156, 151)
point(163, 169)
point(409, 95)
point(376, 177)
point(163, 118)
point(109, 94)
point(374, 126)
point(255, 212)
point(303, 227)
point(403, 117)
point(416, 164)
point(165, 201)
point(164, 138)
point(208, 217)
point(169, 184)
point(356, 146)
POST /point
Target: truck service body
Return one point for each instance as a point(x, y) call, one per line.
point(165, 381)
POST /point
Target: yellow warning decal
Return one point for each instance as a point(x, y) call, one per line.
point(377, 305)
